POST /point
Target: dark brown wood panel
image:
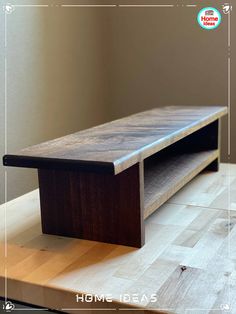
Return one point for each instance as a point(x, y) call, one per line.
point(115, 146)
point(93, 206)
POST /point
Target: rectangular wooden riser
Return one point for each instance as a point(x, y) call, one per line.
point(112, 208)
point(100, 184)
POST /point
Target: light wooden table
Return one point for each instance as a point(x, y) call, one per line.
point(188, 261)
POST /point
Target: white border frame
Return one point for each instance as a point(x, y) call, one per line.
point(224, 307)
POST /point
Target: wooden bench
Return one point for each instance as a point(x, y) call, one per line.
point(101, 183)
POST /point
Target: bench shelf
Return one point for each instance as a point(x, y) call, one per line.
point(101, 183)
point(165, 178)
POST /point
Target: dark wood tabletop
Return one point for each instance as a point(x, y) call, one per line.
point(117, 145)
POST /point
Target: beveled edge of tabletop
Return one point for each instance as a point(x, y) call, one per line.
point(58, 163)
point(119, 165)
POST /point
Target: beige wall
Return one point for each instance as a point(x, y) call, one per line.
point(71, 68)
point(160, 56)
point(55, 78)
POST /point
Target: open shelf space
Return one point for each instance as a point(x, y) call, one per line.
point(166, 173)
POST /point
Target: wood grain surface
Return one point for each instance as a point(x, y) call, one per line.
point(115, 146)
point(188, 261)
point(93, 206)
point(170, 169)
point(164, 179)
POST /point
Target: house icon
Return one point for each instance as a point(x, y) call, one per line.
point(209, 12)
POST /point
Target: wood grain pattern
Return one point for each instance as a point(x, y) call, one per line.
point(93, 206)
point(171, 168)
point(164, 179)
point(188, 261)
point(116, 146)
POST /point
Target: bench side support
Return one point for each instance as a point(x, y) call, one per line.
point(93, 206)
point(212, 138)
point(207, 138)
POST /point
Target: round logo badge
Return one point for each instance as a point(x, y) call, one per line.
point(209, 18)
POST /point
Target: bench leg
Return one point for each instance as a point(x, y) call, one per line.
point(207, 138)
point(93, 206)
point(212, 140)
point(214, 166)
